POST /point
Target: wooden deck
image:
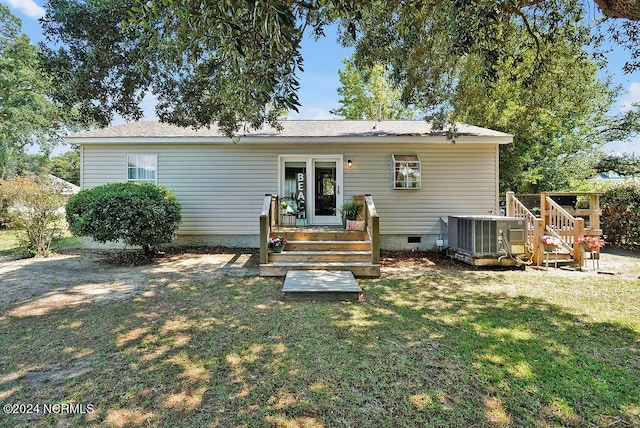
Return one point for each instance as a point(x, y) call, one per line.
point(321, 285)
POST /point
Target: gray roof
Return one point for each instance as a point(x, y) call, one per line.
point(292, 129)
point(64, 186)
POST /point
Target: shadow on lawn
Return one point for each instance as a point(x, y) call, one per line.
point(43, 285)
point(421, 352)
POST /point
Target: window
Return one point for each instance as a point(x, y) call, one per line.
point(142, 168)
point(406, 171)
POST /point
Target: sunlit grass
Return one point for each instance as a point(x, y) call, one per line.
point(455, 348)
point(10, 241)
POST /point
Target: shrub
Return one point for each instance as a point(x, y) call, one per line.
point(621, 214)
point(135, 213)
point(35, 205)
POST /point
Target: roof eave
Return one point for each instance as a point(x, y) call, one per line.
point(433, 139)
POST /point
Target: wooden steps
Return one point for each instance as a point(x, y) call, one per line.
point(321, 256)
point(557, 259)
point(331, 250)
point(351, 245)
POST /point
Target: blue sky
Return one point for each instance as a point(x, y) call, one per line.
point(322, 59)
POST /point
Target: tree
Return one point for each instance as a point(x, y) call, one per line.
point(558, 115)
point(27, 115)
point(226, 62)
point(67, 166)
point(366, 92)
point(626, 164)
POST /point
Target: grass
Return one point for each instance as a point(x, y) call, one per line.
point(10, 242)
point(450, 348)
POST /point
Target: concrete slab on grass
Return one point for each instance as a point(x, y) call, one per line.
point(320, 285)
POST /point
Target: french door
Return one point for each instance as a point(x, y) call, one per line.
point(315, 182)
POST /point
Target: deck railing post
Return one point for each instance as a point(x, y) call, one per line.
point(594, 215)
point(360, 200)
point(578, 233)
point(537, 236)
point(375, 241)
point(511, 207)
point(543, 208)
point(266, 221)
point(274, 211)
point(373, 225)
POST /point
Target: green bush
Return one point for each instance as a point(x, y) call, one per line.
point(621, 214)
point(135, 213)
point(34, 205)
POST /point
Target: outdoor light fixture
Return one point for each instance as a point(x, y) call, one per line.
point(349, 163)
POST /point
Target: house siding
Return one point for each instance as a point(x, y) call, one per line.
point(221, 186)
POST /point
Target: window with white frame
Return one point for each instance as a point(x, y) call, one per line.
point(406, 171)
point(142, 168)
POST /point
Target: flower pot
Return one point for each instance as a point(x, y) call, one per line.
point(549, 248)
point(278, 248)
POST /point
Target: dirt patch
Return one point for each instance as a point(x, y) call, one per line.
point(38, 286)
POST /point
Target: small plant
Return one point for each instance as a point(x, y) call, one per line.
point(550, 242)
point(288, 206)
point(277, 241)
point(350, 210)
point(135, 213)
point(35, 204)
point(591, 243)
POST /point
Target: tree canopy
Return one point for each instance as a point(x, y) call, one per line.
point(239, 60)
point(625, 164)
point(27, 115)
point(559, 115)
point(365, 93)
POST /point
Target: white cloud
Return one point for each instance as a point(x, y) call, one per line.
point(28, 7)
point(632, 96)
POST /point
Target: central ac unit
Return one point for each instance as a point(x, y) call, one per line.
point(487, 240)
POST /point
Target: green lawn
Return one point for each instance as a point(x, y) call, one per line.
point(10, 242)
point(450, 348)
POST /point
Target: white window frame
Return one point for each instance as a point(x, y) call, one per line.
point(406, 162)
point(137, 161)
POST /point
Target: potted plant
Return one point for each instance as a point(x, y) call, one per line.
point(550, 243)
point(277, 243)
point(350, 210)
point(591, 243)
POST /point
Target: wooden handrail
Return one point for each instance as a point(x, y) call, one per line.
point(563, 226)
point(267, 218)
point(557, 221)
point(373, 227)
point(515, 208)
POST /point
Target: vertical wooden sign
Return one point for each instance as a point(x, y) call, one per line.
point(301, 195)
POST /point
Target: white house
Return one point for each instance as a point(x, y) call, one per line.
point(415, 176)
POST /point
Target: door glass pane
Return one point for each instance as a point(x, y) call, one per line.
point(325, 188)
point(295, 186)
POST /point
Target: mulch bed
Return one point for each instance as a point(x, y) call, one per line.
point(407, 258)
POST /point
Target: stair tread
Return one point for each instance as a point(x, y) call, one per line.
point(321, 252)
point(328, 242)
point(277, 264)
